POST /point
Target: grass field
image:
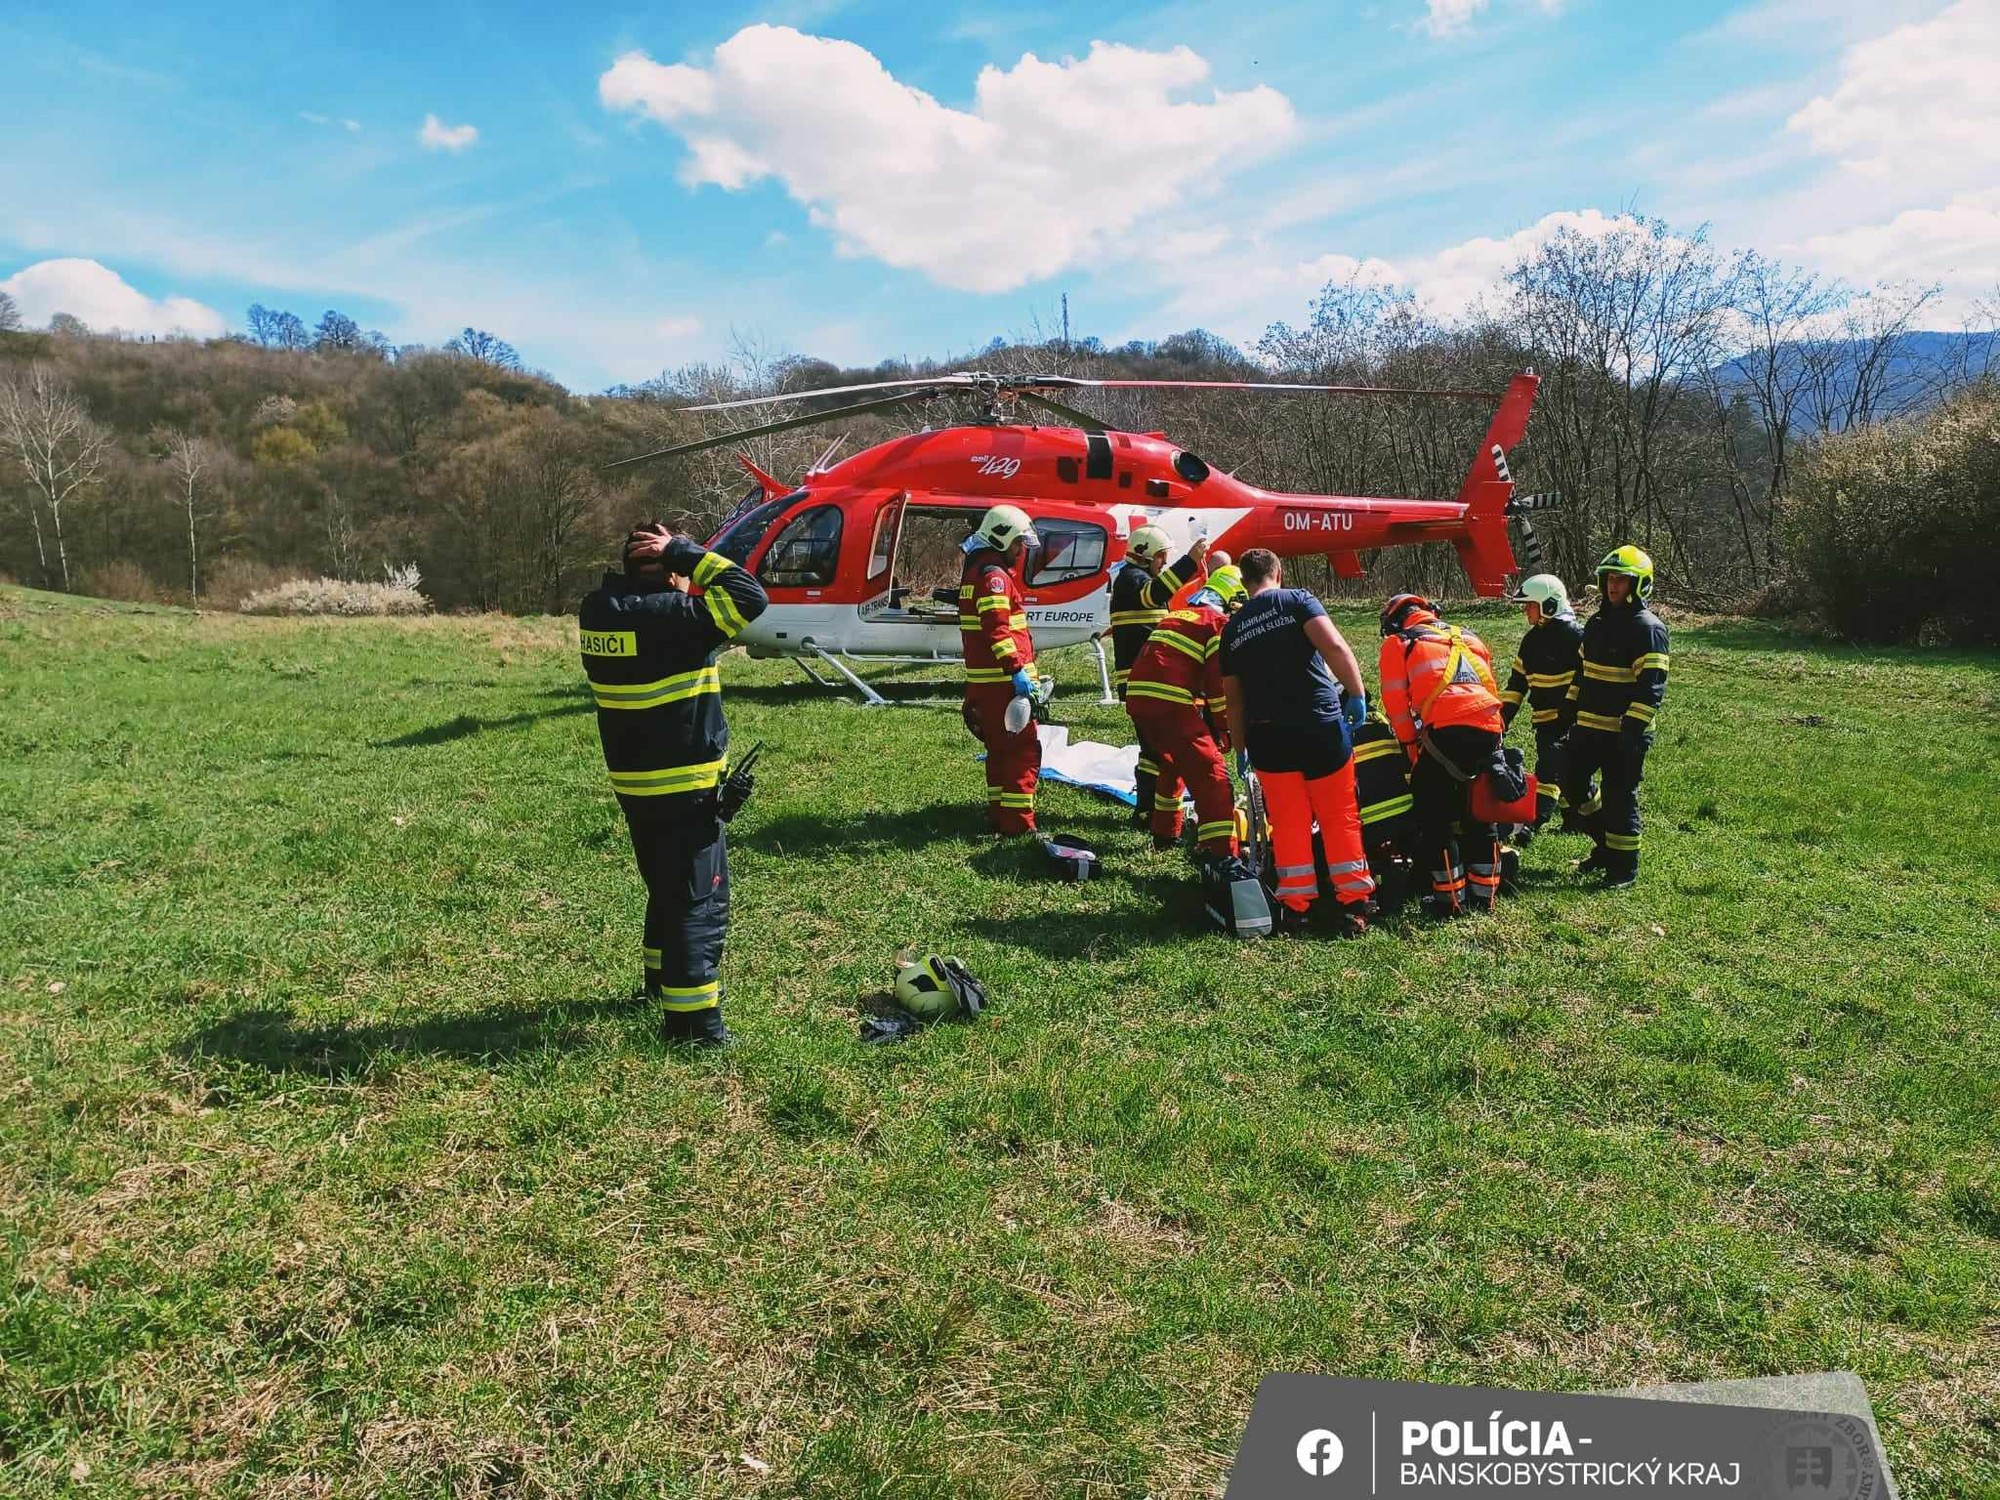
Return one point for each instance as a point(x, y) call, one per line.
point(332, 1160)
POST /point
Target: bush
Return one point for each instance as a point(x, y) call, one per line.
point(395, 595)
point(231, 580)
point(126, 581)
point(1892, 529)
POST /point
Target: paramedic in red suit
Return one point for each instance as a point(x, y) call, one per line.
point(993, 630)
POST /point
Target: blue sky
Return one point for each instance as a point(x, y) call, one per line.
point(620, 190)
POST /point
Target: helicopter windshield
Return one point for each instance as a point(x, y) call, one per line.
point(741, 539)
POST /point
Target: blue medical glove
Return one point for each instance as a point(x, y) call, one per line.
point(1355, 707)
point(1024, 684)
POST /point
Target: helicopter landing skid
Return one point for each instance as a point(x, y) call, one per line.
point(872, 699)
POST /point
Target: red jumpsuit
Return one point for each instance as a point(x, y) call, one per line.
point(993, 630)
point(1173, 683)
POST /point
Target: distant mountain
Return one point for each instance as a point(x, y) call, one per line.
point(1918, 368)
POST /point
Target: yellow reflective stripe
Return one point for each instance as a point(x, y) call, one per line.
point(1598, 721)
point(691, 996)
point(1651, 661)
point(1520, 667)
point(1180, 643)
point(1138, 616)
point(673, 689)
point(1168, 579)
point(1014, 799)
point(1388, 807)
point(651, 957)
point(1168, 802)
point(1624, 843)
point(1017, 621)
point(1510, 696)
point(1004, 649)
point(710, 566)
point(722, 609)
point(1602, 673)
point(1215, 830)
point(1166, 692)
point(1641, 711)
point(989, 674)
point(1213, 645)
point(1547, 715)
point(667, 780)
point(991, 601)
point(1121, 676)
point(1551, 679)
point(1376, 749)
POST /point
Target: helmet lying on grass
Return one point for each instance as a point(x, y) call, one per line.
point(937, 989)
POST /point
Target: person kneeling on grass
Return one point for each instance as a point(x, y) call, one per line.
point(1293, 724)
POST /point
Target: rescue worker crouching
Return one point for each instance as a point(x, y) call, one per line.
point(1140, 594)
point(1545, 667)
point(1382, 794)
point(1281, 660)
point(649, 645)
point(1621, 683)
point(993, 632)
point(1444, 706)
point(1174, 688)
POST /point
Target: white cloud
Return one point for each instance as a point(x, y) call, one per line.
point(1238, 287)
point(1448, 17)
point(1913, 130)
point(352, 127)
point(1052, 165)
point(438, 136)
point(105, 301)
point(1915, 111)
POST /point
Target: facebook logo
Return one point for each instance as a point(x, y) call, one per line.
point(1809, 1466)
point(1320, 1453)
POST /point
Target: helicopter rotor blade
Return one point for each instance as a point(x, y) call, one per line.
point(787, 424)
point(946, 381)
point(1283, 387)
point(1068, 413)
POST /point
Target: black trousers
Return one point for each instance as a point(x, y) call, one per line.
point(1619, 764)
point(1551, 755)
point(684, 860)
point(1440, 801)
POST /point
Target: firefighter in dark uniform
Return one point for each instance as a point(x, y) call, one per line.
point(1545, 666)
point(1140, 594)
point(649, 644)
point(1619, 688)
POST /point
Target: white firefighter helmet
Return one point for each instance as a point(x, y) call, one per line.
point(1002, 526)
point(1147, 543)
point(1546, 590)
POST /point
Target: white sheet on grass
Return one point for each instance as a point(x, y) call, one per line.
point(1110, 769)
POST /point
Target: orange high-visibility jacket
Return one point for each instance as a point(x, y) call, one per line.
point(1438, 675)
point(1180, 662)
point(992, 619)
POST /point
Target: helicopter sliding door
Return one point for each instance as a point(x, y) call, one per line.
point(914, 563)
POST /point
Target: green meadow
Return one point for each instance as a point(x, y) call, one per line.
point(336, 1160)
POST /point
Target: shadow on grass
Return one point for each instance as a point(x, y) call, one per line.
point(273, 1042)
point(467, 724)
point(947, 830)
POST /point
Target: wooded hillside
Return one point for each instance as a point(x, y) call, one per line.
point(1681, 388)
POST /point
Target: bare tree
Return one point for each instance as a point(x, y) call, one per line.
point(10, 314)
point(487, 348)
point(189, 460)
point(55, 441)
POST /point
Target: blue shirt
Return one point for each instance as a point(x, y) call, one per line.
point(1289, 695)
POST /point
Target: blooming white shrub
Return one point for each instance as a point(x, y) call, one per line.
point(395, 595)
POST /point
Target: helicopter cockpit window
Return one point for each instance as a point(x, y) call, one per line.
point(1069, 550)
point(1189, 467)
point(741, 539)
point(806, 551)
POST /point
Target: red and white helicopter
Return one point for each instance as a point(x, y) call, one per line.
point(861, 557)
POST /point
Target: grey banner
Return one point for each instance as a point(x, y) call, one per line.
point(1331, 1439)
